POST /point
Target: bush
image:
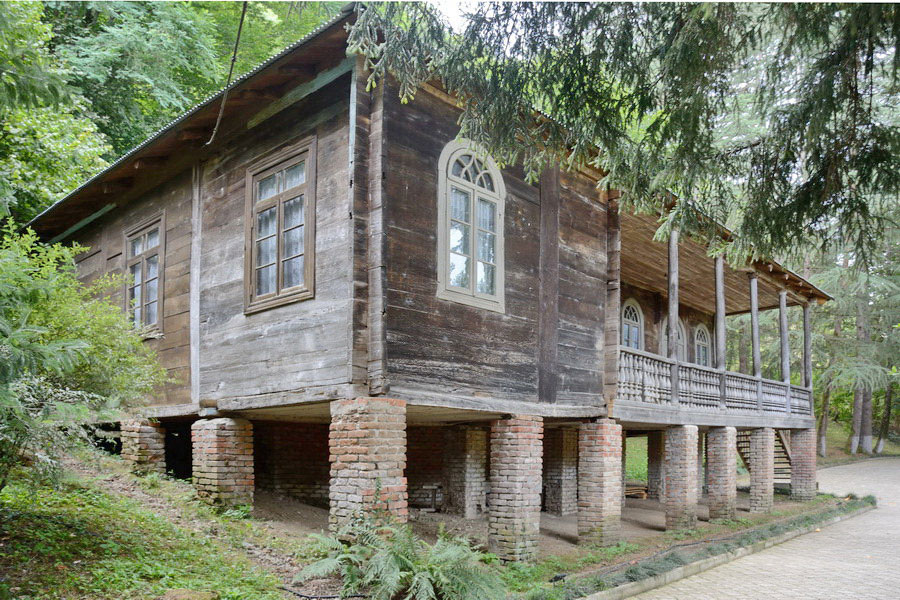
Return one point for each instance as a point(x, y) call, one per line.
point(388, 562)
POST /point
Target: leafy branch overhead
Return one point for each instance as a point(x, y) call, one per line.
point(779, 119)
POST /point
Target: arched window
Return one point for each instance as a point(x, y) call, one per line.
point(471, 196)
point(632, 325)
point(702, 346)
point(681, 343)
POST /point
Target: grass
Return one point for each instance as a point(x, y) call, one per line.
point(636, 459)
point(77, 541)
point(837, 439)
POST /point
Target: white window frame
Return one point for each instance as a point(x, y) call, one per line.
point(663, 346)
point(701, 328)
point(495, 302)
point(631, 302)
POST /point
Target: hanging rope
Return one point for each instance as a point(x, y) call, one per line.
point(237, 41)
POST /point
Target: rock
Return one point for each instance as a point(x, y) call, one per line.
point(189, 595)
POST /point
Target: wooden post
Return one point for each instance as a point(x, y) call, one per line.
point(754, 329)
point(672, 333)
point(613, 336)
point(785, 347)
point(807, 349)
point(720, 327)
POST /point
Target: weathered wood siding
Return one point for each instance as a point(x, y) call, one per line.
point(455, 353)
point(106, 239)
point(299, 351)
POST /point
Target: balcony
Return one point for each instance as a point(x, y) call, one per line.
point(704, 396)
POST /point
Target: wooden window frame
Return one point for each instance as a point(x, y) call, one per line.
point(663, 342)
point(495, 302)
point(263, 167)
point(631, 302)
point(709, 345)
point(140, 229)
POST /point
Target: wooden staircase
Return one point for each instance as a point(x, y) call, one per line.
point(782, 455)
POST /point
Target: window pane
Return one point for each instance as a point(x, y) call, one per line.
point(293, 242)
point(459, 238)
point(459, 205)
point(266, 223)
point(265, 280)
point(486, 244)
point(487, 214)
point(150, 313)
point(486, 276)
point(265, 251)
point(293, 212)
point(268, 187)
point(137, 316)
point(294, 176)
point(486, 181)
point(152, 239)
point(151, 291)
point(152, 266)
point(459, 270)
point(293, 272)
point(137, 246)
point(459, 167)
point(136, 272)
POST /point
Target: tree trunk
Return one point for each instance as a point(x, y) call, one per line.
point(856, 420)
point(824, 418)
point(885, 418)
point(859, 394)
point(865, 426)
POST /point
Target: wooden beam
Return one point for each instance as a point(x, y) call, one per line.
point(613, 336)
point(785, 347)
point(672, 339)
point(754, 323)
point(193, 134)
point(720, 327)
point(117, 186)
point(548, 315)
point(150, 162)
point(267, 94)
point(298, 70)
point(82, 223)
point(807, 348)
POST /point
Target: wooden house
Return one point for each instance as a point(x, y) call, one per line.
point(357, 306)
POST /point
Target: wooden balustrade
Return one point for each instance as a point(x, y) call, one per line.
point(646, 377)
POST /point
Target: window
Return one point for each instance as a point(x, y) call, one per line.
point(702, 346)
point(632, 325)
point(144, 264)
point(280, 255)
point(681, 347)
point(471, 198)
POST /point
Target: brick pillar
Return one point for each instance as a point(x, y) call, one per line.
point(803, 464)
point(681, 477)
point(701, 471)
point(762, 469)
point(367, 447)
point(144, 445)
point(622, 468)
point(721, 464)
point(655, 454)
point(561, 471)
point(515, 501)
point(465, 477)
point(223, 460)
point(600, 481)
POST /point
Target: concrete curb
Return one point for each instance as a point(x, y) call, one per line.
point(638, 587)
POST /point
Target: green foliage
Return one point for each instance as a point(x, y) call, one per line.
point(389, 562)
point(27, 79)
point(77, 541)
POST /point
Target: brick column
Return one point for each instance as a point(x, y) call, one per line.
point(600, 481)
point(223, 460)
point(721, 464)
point(701, 470)
point(465, 477)
point(144, 445)
point(655, 455)
point(624, 455)
point(561, 471)
point(803, 464)
point(762, 469)
point(515, 501)
point(367, 446)
point(681, 477)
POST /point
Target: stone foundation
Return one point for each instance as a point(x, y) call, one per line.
point(223, 460)
point(762, 469)
point(656, 446)
point(681, 477)
point(515, 499)
point(600, 481)
point(561, 471)
point(143, 445)
point(465, 470)
point(721, 463)
point(367, 443)
point(803, 464)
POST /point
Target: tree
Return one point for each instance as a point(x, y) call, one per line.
point(26, 76)
point(648, 84)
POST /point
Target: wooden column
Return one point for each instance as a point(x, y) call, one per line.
point(785, 347)
point(720, 326)
point(672, 333)
point(613, 335)
point(548, 317)
point(754, 329)
point(807, 348)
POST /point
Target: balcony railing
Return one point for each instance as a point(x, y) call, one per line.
point(646, 377)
